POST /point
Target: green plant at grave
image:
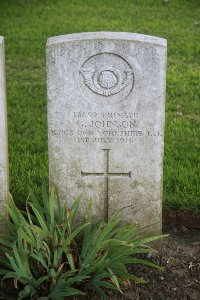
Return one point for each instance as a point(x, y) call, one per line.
point(42, 256)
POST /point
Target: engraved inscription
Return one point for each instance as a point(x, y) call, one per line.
point(106, 174)
point(109, 76)
point(109, 124)
point(110, 115)
point(105, 128)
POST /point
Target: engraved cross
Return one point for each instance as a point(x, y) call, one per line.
point(106, 174)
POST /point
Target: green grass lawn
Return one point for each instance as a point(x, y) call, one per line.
point(26, 26)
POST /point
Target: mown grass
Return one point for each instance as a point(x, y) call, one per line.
point(26, 26)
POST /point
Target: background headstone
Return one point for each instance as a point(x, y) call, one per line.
point(3, 133)
point(106, 95)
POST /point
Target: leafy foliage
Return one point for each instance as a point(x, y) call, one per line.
point(41, 254)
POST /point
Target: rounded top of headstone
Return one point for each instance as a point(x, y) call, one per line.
point(1, 39)
point(107, 36)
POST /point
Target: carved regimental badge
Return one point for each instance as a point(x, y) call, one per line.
point(106, 78)
point(107, 81)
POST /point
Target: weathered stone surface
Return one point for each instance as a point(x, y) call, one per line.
point(106, 95)
point(3, 133)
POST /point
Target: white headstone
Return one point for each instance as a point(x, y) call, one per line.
point(3, 133)
point(106, 96)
